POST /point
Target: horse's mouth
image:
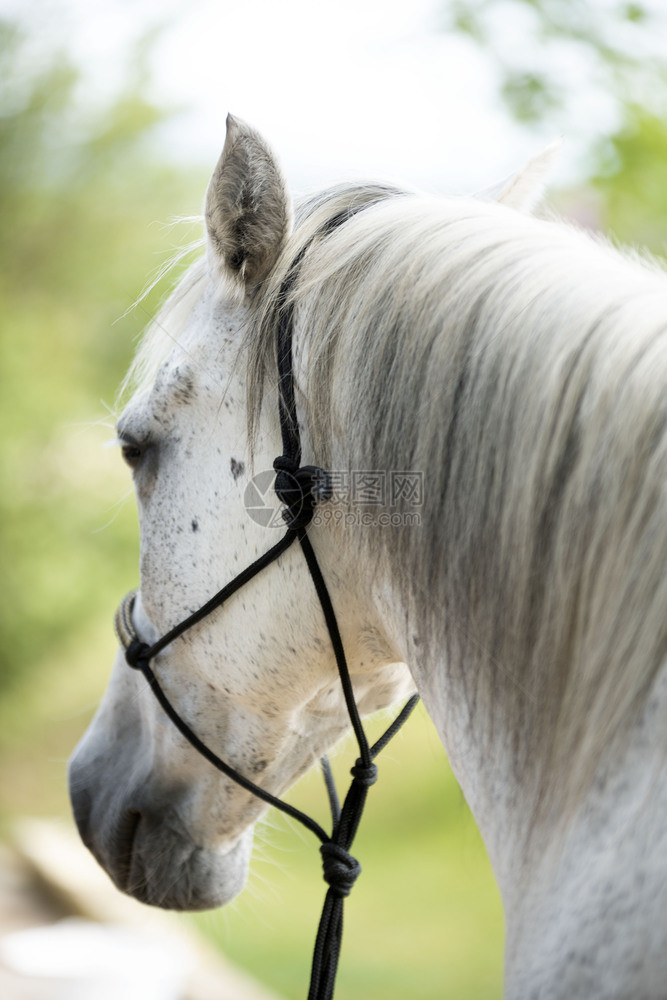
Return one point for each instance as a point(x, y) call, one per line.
point(177, 874)
point(124, 843)
point(152, 857)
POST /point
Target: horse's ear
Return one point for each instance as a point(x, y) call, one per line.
point(524, 190)
point(248, 209)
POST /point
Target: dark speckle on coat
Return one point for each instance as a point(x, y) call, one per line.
point(182, 386)
point(238, 468)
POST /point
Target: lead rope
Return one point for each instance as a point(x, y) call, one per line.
point(300, 488)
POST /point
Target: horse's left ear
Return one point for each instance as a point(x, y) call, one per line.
point(524, 190)
point(248, 209)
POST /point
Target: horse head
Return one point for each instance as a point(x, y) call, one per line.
point(257, 681)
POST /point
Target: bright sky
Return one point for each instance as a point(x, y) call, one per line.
point(340, 87)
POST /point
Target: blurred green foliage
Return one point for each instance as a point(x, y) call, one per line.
point(77, 195)
point(629, 175)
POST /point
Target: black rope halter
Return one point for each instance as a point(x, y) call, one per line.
point(299, 488)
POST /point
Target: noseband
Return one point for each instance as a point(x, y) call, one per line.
point(299, 488)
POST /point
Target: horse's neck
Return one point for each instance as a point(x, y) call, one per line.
point(588, 918)
point(585, 903)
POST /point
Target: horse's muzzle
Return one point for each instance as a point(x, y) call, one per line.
point(146, 849)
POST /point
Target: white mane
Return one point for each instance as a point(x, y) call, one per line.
point(521, 366)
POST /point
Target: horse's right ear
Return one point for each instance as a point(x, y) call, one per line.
point(248, 209)
point(525, 188)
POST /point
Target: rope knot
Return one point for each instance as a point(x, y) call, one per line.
point(135, 653)
point(300, 489)
point(364, 774)
point(341, 870)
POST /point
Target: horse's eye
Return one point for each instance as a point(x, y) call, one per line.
point(131, 454)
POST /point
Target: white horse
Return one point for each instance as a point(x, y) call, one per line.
point(511, 371)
